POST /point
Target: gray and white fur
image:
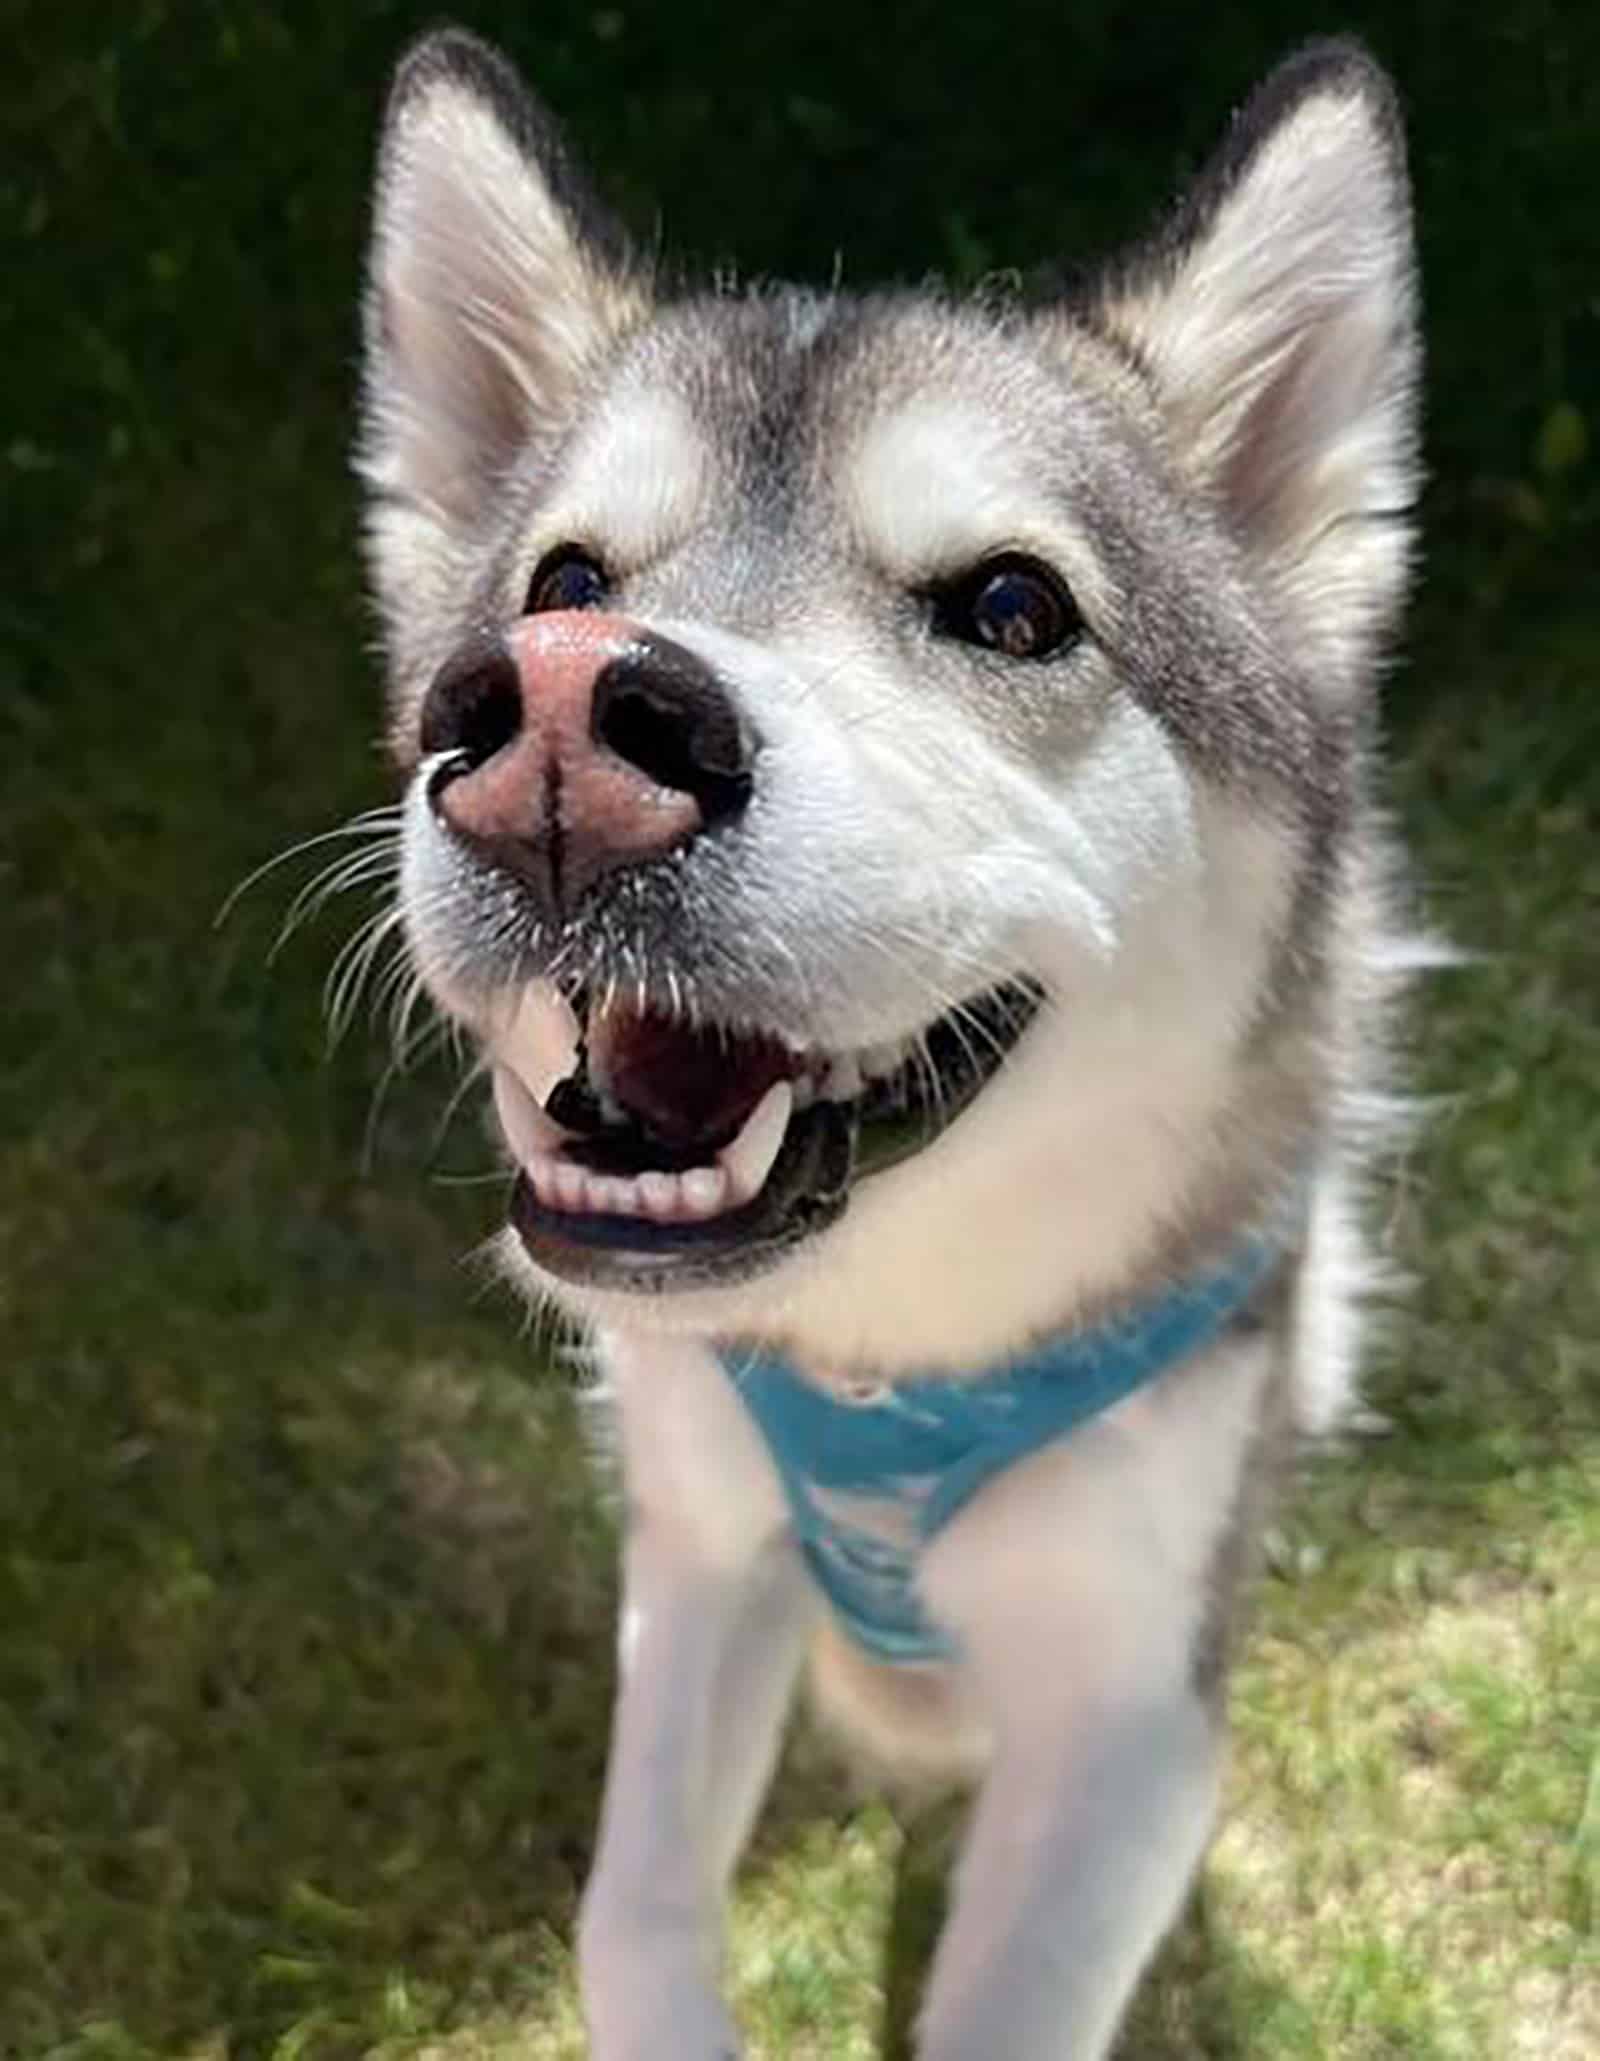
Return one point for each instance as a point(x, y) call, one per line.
point(1166, 827)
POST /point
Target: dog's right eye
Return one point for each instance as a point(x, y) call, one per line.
point(566, 578)
point(1012, 604)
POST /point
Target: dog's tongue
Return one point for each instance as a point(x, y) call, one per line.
point(685, 1085)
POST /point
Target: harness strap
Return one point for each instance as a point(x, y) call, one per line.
point(870, 1479)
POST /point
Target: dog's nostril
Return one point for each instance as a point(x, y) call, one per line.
point(667, 715)
point(670, 746)
point(656, 740)
point(474, 706)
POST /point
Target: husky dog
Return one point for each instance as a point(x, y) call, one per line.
point(889, 798)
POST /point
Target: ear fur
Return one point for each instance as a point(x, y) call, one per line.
point(1276, 315)
point(494, 280)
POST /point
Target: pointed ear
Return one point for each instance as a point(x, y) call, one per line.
point(1277, 317)
point(495, 278)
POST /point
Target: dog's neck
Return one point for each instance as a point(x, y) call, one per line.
point(873, 1470)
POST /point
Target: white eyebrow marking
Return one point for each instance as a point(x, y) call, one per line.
point(636, 481)
point(938, 485)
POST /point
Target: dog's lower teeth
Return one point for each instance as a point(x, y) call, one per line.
point(663, 1198)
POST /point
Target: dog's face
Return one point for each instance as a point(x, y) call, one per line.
point(866, 753)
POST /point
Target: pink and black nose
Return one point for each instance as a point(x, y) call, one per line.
point(582, 745)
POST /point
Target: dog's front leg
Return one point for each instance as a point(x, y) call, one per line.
point(714, 1615)
point(1080, 1849)
point(1078, 1587)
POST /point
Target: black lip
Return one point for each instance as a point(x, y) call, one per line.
point(826, 1148)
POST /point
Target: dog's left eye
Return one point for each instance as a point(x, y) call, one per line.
point(566, 578)
point(1013, 605)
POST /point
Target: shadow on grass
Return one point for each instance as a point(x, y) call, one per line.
point(303, 1693)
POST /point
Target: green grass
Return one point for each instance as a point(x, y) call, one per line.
point(305, 1588)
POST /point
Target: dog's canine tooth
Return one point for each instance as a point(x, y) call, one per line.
point(747, 1161)
point(539, 1042)
point(530, 1134)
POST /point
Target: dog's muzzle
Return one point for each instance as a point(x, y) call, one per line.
point(656, 1150)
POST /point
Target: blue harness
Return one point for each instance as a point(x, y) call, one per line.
point(872, 1478)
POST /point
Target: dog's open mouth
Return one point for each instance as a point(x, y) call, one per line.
point(664, 1154)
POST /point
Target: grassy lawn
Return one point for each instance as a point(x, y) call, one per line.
point(305, 1587)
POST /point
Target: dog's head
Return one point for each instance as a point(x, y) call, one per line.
point(879, 766)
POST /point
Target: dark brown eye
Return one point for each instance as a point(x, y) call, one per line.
point(566, 578)
point(1012, 605)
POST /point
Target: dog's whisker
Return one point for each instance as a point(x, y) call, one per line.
point(371, 823)
point(390, 989)
point(376, 863)
point(395, 993)
point(406, 1041)
point(471, 1078)
point(434, 1033)
point(354, 964)
point(362, 871)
